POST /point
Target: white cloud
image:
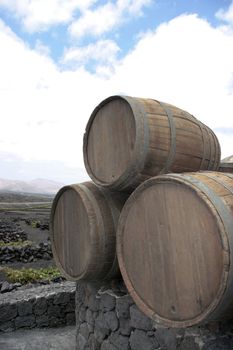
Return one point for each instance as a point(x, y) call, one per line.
point(15, 54)
point(103, 53)
point(41, 14)
point(106, 17)
point(226, 15)
point(44, 109)
point(42, 49)
point(14, 167)
point(33, 89)
point(136, 6)
point(186, 62)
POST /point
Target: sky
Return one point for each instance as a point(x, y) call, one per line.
point(61, 58)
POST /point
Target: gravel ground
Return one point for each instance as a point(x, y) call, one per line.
point(34, 339)
point(39, 339)
point(35, 235)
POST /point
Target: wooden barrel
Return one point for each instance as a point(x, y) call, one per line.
point(226, 168)
point(129, 140)
point(83, 231)
point(175, 247)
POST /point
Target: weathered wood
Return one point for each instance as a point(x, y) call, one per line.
point(175, 247)
point(226, 168)
point(83, 231)
point(129, 140)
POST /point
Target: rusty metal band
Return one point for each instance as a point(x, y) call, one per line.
point(219, 150)
point(227, 220)
point(210, 160)
point(230, 175)
point(172, 151)
point(51, 231)
point(202, 127)
point(216, 151)
point(222, 183)
point(141, 145)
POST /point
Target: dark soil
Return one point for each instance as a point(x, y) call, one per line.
point(26, 220)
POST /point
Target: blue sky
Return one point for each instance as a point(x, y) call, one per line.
point(56, 37)
point(59, 58)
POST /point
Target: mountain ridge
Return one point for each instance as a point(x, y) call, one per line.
point(227, 159)
point(39, 186)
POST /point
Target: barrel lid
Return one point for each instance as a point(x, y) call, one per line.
point(170, 251)
point(71, 231)
point(115, 141)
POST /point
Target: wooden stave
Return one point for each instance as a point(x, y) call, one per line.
point(135, 174)
point(99, 206)
point(203, 128)
point(222, 307)
point(51, 232)
point(135, 166)
point(95, 210)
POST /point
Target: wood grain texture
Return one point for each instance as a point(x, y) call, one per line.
point(112, 133)
point(175, 247)
point(83, 231)
point(129, 140)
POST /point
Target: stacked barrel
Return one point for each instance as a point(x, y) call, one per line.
point(158, 209)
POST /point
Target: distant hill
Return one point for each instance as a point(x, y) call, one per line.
point(227, 159)
point(41, 186)
point(23, 198)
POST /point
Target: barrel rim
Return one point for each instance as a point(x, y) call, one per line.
point(78, 190)
point(141, 303)
point(217, 150)
point(138, 158)
point(114, 269)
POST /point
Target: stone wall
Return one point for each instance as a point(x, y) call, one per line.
point(108, 319)
point(45, 306)
point(27, 253)
point(11, 232)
